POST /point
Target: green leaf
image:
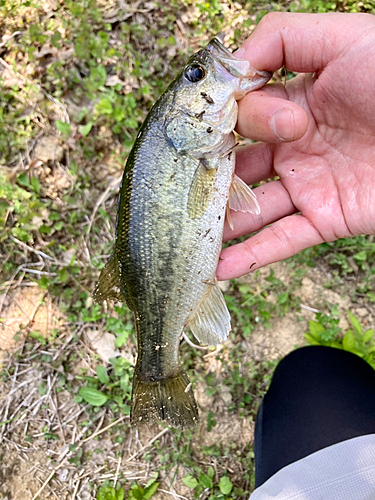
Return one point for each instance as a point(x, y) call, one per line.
point(136, 492)
point(152, 480)
point(42, 389)
point(225, 485)
point(131, 122)
point(211, 421)
point(23, 180)
point(356, 324)
point(348, 341)
point(310, 339)
point(315, 329)
point(150, 491)
point(37, 336)
point(205, 481)
point(105, 106)
point(106, 493)
point(102, 374)
point(93, 396)
point(59, 225)
point(358, 352)
point(367, 335)
point(84, 130)
point(211, 472)
point(125, 382)
point(283, 298)
point(120, 494)
point(360, 256)
point(118, 114)
point(98, 76)
point(35, 184)
point(64, 128)
point(336, 344)
point(190, 481)
point(55, 40)
point(110, 493)
point(121, 339)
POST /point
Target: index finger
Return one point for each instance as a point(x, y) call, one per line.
point(303, 43)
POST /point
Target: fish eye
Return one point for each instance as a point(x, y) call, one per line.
point(194, 73)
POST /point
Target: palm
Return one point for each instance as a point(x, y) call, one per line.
point(330, 172)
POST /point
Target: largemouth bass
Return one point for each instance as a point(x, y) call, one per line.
point(177, 184)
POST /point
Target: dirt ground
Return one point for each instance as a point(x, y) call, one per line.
point(26, 467)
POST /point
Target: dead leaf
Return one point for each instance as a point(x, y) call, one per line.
point(104, 344)
point(49, 148)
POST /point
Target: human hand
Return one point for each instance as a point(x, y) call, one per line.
point(318, 136)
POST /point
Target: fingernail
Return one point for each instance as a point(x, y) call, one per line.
point(282, 124)
point(239, 53)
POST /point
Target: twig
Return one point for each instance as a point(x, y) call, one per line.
point(8, 288)
point(76, 489)
point(309, 308)
point(31, 249)
point(105, 429)
point(11, 36)
point(36, 271)
point(174, 494)
point(39, 87)
point(113, 185)
point(213, 353)
point(9, 400)
point(70, 453)
point(191, 344)
point(161, 433)
point(95, 472)
point(117, 471)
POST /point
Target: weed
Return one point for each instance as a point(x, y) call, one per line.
point(256, 304)
point(136, 492)
point(326, 331)
point(113, 388)
point(205, 483)
point(349, 256)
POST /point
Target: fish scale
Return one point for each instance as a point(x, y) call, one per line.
point(173, 200)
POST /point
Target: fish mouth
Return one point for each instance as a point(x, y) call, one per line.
point(239, 68)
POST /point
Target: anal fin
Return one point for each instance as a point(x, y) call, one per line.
point(210, 322)
point(108, 286)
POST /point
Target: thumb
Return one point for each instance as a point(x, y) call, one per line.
point(303, 43)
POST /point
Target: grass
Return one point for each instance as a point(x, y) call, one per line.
point(82, 76)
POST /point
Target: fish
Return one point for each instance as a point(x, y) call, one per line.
point(177, 187)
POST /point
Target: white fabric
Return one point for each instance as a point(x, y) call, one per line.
point(344, 471)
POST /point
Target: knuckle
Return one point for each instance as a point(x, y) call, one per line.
point(283, 237)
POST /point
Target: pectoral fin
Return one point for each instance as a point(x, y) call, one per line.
point(201, 191)
point(242, 198)
point(229, 217)
point(210, 322)
point(108, 286)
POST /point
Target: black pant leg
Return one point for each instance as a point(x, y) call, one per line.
point(318, 396)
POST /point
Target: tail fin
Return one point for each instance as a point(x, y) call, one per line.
point(170, 399)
